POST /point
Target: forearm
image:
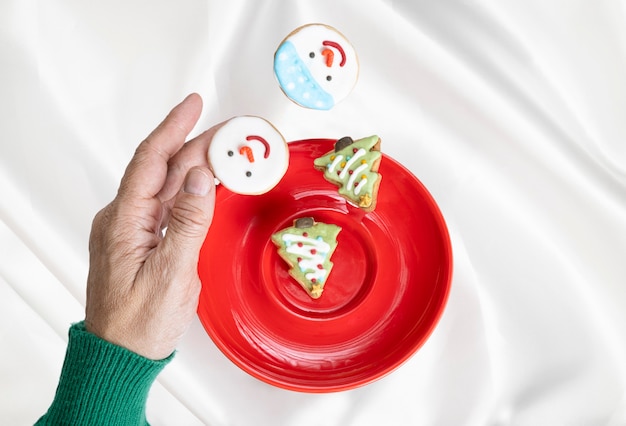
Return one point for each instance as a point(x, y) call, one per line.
point(101, 383)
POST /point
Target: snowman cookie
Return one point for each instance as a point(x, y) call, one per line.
point(316, 66)
point(248, 155)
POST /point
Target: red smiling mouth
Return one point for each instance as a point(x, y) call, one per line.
point(247, 151)
point(329, 58)
point(263, 141)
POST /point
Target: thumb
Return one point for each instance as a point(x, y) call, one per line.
point(191, 215)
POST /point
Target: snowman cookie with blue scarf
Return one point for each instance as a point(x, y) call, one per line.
point(316, 66)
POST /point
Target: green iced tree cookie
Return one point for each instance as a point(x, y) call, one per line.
point(353, 167)
point(307, 247)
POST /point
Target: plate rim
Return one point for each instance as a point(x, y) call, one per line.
point(446, 266)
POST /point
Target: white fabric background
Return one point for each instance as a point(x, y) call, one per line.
point(511, 112)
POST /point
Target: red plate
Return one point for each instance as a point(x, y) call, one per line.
point(382, 300)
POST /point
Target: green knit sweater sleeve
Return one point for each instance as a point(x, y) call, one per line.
point(101, 383)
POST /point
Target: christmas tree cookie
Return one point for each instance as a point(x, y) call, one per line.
point(307, 247)
point(353, 166)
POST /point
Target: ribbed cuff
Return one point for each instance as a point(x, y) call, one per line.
point(101, 383)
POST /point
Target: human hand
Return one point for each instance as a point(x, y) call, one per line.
point(143, 287)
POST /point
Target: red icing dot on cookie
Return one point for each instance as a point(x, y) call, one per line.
point(313, 280)
point(313, 251)
point(299, 259)
point(354, 150)
point(350, 171)
point(299, 244)
point(305, 234)
point(320, 266)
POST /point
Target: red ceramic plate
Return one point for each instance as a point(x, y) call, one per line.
point(383, 298)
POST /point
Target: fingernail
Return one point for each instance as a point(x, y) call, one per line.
point(197, 183)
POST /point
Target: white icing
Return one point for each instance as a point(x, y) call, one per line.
point(310, 261)
point(360, 153)
point(360, 186)
point(231, 169)
point(319, 275)
point(353, 176)
point(336, 161)
point(319, 245)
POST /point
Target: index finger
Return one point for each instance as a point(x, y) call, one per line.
point(146, 173)
point(192, 154)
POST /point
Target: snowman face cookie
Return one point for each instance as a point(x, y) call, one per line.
point(316, 66)
point(248, 155)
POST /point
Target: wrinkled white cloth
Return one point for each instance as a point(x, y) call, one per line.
point(510, 112)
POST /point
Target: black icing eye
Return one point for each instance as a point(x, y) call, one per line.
point(230, 153)
point(248, 174)
point(312, 55)
point(329, 77)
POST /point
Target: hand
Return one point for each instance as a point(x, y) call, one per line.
point(143, 287)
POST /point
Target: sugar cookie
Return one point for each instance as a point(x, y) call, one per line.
point(316, 66)
point(353, 166)
point(307, 247)
point(248, 155)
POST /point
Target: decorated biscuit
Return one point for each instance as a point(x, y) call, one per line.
point(316, 66)
point(353, 166)
point(248, 155)
point(307, 247)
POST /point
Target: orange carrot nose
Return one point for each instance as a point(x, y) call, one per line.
point(330, 55)
point(245, 150)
